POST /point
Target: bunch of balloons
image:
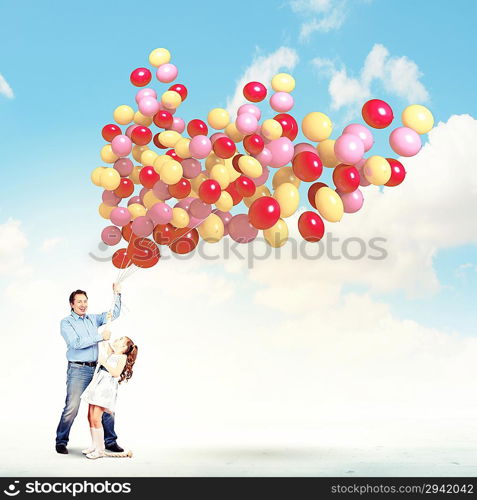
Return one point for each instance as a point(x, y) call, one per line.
point(192, 175)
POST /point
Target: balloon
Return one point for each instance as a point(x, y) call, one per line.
point(277, 235)
point(352, 201)
point(181, 149)
point(110, 198)
point(245, 186)
point(215, 136)
point(250, 166)
point(316, 126)
point(362, 178)
point(161, 190)
point(283, 82)
point(181, 189)
point(110, 131)
point(255, 91)
point(209, 191)
point(311, 226)
point(224, 147)
point(264, 212)
point(285, 174)
point(377, 113)
point(191, 167)
point(163, 119)
point(220, 173)
point(289, 125)
point(145, 93)
point(163, 234)
point(120, 216)
point(107, 154)
point(121, 259)
point(282, 152)
point(307, 166)
point(180, 217)
point(312, 192)
point(418, 117)
point(233, 133)
point(265, 157)
point(125, 188)
point(200, 146)
point(329, 204)
point(199, 209)
point(142, 226)
point(261, 179)
point(362, 132)
point(405, 141)
point(126, 231)
point(271, 129)
point(251, 109)
point(377, 170)
point(166, 73)
point(140, 77)
point(148, 106)
point(253, 144)
point(136, 210)
point(185, 240)
point(246, 123)
point(143, 252)
point(160, 213)
point(171, 172)
point(141, 135)
point(234, 194)
point(349, 149)
point(398, 172)
point(212, 229)
point(148, 177)
point(110, 179)
point(123, 115)
point(178, 124)
point(281, 102)
point(303, 146)
point(288, 198)
point(171, 99)
point(111, 235)
point(197, 127)
point(326, 152)
point(259, 192)
point(218, 118)
point(226, 218)
point(121, 145)
point(105, 210)
point(346, 178)
point(180, 89)
point(240, 229)
point(159, 56)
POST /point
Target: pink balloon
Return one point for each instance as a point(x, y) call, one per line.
point(362, 179)
point(110, 198)
point(259, 181)
point(130, 129)
point(191, 168)
point(143, 193)
point(160, 213)
point(281, 102)
point(185, 203)
point(349, 149)
point(405, 141)
point(142, 226)
point(200, 146)
point(241, 230)
point(250, 109)
point(304, 146)
point(362, 132)
point(121, 145)
point(264, 157)
point(161, 190)
point(134, 199)
point(124, 166)
point(148, 106)
point(147, 92)
point(178, 124)
point(246, 123)
point(120, 216)
point(226, 218)
point(282, 151)
point(111, 235)
point(166, 73)
point(352, 202)
point(216, 136)
point(199, 209)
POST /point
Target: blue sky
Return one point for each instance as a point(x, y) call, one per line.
point(69, 65)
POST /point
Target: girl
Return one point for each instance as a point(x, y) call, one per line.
point(115, 363)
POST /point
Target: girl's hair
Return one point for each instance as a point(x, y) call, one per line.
point(131, 353)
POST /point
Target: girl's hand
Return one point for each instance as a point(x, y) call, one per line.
point(117, 287)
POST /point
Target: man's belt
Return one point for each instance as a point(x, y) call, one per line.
point(84, 363)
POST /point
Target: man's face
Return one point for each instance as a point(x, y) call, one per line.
point(80, 305)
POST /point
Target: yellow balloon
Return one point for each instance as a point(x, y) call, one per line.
point(110, 179)
point(233, 133)
point(150, 199)
point(220, 174)
point(105, 210)
point(212, 229)
point(123, 114)
point(212, 160)
point(136, 210)
point(285, 174)
point(233, 174)
point(260, 191)
point(137, 151)
point(134, 175)
point(180, 217)
point(171, 172)
point(148, 157)
point(250, 166)
point(418, 117)
point(182, 148)
point(197, 181)
point(288, 198)
point(140, 119)
point(283, 82)
point(159, 56)
point(96, 175)
point(169, 138)
point(326, 152)
point(277, 235)
point(225, 202)
point(171, 99)
point(218, 118)
point(271, 129)
point(160, 161)
point(107, 154)
point(316, 126)
point(377, 170)
point(329, 204)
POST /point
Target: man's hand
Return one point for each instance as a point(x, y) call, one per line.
point(106, 334)
point(117, 287)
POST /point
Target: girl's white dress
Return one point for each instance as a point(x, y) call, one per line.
point(103, 388)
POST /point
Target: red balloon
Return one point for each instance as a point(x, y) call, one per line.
point(377, 113)
point(346, 178)
point(163, 119)
point(110, 131)
point(148, 177)
point(126, 231)
point(143, 252)
point(232, 190)
point(197, 127)
point(158, 143)
point(163, 234)
point(255, 91)
point(398, 172)
point(289, 125)
point(235, 162)
point(254, 144)
point(140, 77)
point(307, 166)
point(245, 186)
point(121, 259)
point(209, 191)
point(125, 188)
point(141, 135)
point(311, 226)
point(224, 147)
point(264, 212)
point(180, 89)
point(185, 240)
point(312, 192)
point(173, 154)
point(181, 189)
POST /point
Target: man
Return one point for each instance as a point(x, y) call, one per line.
point(80, 331)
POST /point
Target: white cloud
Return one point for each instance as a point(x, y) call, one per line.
point(5, 88)
point(462, 271)
point(50, 243)
point(13, 242)
point(262, 69)
point(399, 76)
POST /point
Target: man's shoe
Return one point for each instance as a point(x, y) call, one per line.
point(61, 448)
point(114, 448)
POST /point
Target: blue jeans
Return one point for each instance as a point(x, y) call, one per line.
point(77, 379)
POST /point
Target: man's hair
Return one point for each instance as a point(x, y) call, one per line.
point(75, 293)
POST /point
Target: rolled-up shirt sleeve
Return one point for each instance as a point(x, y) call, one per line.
point(102, 319)
point(73, 340)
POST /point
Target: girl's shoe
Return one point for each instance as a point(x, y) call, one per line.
point(88, 450)
point(95, 454)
